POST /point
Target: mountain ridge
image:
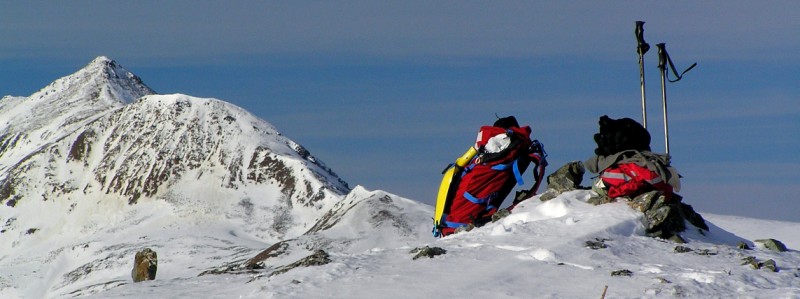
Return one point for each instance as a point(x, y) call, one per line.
point(162, 147)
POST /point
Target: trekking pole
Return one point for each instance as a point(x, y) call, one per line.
point(663, 59)
point(642, 48)
point(662, 66)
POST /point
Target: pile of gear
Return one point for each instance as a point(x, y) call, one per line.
point(627, 169)
point(474, 187)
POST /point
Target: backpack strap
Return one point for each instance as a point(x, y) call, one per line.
point(538, 157)
point(514, 165)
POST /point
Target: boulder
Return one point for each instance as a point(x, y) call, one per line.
point(666, 219)
point(772, 244)
point(145, 265)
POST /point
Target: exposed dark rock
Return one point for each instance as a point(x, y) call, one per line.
point(318, 258)
point(263, 167)
point(277, 249)
point(743, 245)
point(145, 265)
point(7, 225)
point(427, 251)
point(682, 249)
point(600, 200)
point(82, 146)
point(645, 201)
point(500, 214)
point(706, 252)
point(666, 219)
point(597, 243)
point(7, 192)
point(752, 261)
point(566, 178)
point(623, 272)
point(767, 265)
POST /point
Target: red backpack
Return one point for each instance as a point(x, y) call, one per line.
point(631, 179)
point(504, 153)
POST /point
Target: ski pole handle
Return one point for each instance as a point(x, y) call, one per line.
point(662, 56)
point(642, 46)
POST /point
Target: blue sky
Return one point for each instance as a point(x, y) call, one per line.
point(389, 92)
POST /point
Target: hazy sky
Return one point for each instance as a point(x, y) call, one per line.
point(387, 93)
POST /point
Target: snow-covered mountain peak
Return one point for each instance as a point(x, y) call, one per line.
point(65, 105)
point(105, 137)
point(102, 82)
point(99, 86)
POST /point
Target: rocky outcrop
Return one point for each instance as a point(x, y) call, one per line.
point(662, 218)
point(318, 258)
point(566, 178)
point(666, 218)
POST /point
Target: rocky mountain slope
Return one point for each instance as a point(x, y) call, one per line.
point(110, 138)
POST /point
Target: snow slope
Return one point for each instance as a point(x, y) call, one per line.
point(539, 251)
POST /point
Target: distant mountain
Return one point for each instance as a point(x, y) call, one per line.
point(101, 133)
point(96, 165)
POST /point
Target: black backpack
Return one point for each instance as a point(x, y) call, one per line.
point(618, 135)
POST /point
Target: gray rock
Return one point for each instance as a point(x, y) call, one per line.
point(769, 265)
point(145, 265)
point(743, 245)
point(623, 272)
point(645, 201)
point(766, 265)
point(566, 178)
point(772, 244)
point(665, 219)
point(500, 214)
point(682, 249)
point(597, 244)
point(752, 261)
point(318, 258)
point(706, 252)
point(427, 251)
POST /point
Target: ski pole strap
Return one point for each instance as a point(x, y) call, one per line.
point(663, 59)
